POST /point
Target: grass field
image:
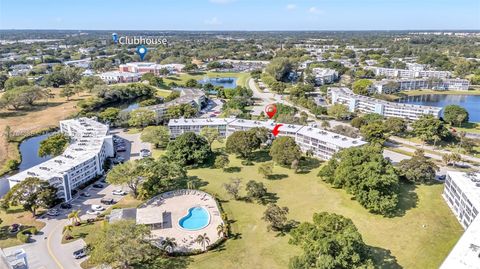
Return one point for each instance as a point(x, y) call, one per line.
point(242, 78)
point(15, 215)
point(420, 237)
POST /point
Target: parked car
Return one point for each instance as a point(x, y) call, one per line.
point(78, 254)
point(119, 192)
point(53, 212)
point(98, 208)
point(107, 201)
point(145, 153)
point(65, 206)
point(97, 185)
point(85, 194)
point(92, 212)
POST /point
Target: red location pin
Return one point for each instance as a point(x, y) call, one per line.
point(270, 110)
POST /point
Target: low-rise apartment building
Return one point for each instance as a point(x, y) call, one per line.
point(82, 161)
point(406, 73)
point(149, 67)
point(120, 77)
point(392, 86)
point(324, 76)
point(365, 104)
point(195, 97)
point(462, 194)
point(321, 143)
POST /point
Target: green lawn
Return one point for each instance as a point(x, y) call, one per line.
point(15, 215)
point(420, 238)
point(242, 78)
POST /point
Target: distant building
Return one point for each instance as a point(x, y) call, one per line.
point(82, 161)
point(83, 63)
point(392, 86)
point(324, 76)
point(14, 260)
point(415, 66)
point(20, 70)
point(120, 77)
point(366, 104)
point(149, 67)
point(406, 73)
point(194, 97)
point(323, 144)
point(462, 194)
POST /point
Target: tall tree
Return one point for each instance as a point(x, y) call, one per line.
point(276, 217)
point(242, 143)
point(331, 241)
point(455, 115)
point(31, 193)
point(126, 173)
point(159, 136)
point(189, 149)
point(430, 129)
point(255, 190)
point(418, 169)
point(284, 150)
point(211, 134)
point(142, 117)
point(203, 240)
point(54, 145)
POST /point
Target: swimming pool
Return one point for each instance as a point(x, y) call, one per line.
point(196, 219)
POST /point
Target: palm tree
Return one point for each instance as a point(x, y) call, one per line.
point(222, 229)
point(74, 216)
point(67, 230)
point(203, 240)
point(169, 244)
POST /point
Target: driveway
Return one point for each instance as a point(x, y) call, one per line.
point(133, 144)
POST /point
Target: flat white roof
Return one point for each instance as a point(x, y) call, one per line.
point(469, 183)
point(200, 121)
point(466, 253)
point(119, 74)
point(331, 138)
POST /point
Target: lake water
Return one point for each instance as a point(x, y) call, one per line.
point(29, 150)
point(470, 102)
point(227, 83)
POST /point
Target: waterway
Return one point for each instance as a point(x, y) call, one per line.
point(29, 150)
point(470, 102)
point(227, 82)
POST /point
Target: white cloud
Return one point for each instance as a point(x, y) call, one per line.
point(291, 7)
point(213, 21)
point(315, 10)
point(221, 1)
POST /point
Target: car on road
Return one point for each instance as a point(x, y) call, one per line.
point(106, 201)
point(98, 208)
point(145, 153)
point(85, 194)
point(65, 206)
point(53, 212)
point(97, 185)
point(119, 192)
point(78, 254)
point(92, 212)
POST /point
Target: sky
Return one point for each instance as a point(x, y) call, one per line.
point(240, 14)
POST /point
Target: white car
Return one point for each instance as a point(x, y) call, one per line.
point(98, 208)
point(53, 212)
point(92, 212)
point(119, 192)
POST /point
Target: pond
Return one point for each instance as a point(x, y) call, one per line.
point(227, 82)
point(470, 102)
point(29, 150)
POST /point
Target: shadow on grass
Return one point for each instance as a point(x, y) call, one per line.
point(178, 262)
point(269, 198)
point(39, 106)
point(196, 181)
point(233, 169)
point(383, 258)
point(407, 199)
point(277, 176)
point(308, 163)
point(260, 156)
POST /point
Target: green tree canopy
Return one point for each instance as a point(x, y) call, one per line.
point(331, 241)
point(338, 111)
point(159, 136)
point(361, 86)
point(455, 115)
point(13, 82)
point(142, 117)
point(430, 129)
point(54, 145)
point(284, 150)
point(189, 149)
point(363, 172)
point(242, 143)
point(109, 115)
point(418, 169)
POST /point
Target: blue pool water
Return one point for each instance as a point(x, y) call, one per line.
point(196, 219)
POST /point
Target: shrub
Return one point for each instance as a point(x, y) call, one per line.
point(23, 237)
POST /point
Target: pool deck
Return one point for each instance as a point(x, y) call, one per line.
point(175, 205)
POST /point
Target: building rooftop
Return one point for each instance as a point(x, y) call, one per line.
point(200, 121)
point(469, 183)
point(349, 93)
point(331, 138)
point(466, 253)
point(119, 74)
point(321, 72)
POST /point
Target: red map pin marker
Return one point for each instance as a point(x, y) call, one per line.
point(270, 110)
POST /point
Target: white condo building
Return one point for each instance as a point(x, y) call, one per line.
point(407, 73)
point(149, 67)
point(462, 194)
point(119, 77)
point(324, 75)
point(82, 161)
point(323, 144)
point(395, 85)
point(366, 104)
point(196, 98)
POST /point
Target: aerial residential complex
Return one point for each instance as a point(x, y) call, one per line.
point(392, 86)
point(366, 104)
point(462, 194)
point(119, 77)
point(407, 73)
point(82, 161)
point(149, 67)
point(323, 144)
